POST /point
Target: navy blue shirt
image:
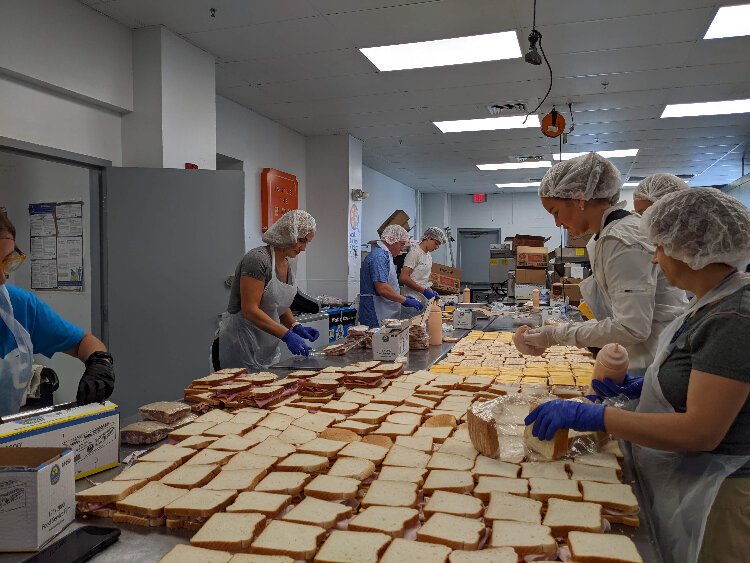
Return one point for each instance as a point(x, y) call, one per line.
point(375, 268)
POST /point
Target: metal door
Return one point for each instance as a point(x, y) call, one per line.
point(474, 254)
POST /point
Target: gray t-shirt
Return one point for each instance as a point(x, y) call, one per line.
point(714, 341)
point(255, 264)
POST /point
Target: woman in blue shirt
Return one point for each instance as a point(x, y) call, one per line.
point(29, 326)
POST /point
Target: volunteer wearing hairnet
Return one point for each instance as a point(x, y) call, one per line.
point(258, 317)
point(415, 274)
point(691, 429)
point(379, 296)
point(653, 188)
point(629, 296)
point(29, 326)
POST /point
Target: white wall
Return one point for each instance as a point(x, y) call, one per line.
point(386, 196)
point(24, 180)
point(742, 193)
point(434, 213)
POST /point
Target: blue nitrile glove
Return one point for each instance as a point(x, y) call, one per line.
point(413, 303)
point(295, 344)
point(550, 417)
point(631, 387)
point(306, 332)
point(430, 293)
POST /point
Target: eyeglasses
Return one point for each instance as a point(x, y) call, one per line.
point(12, 262)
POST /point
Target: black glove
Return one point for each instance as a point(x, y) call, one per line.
point(98, 379)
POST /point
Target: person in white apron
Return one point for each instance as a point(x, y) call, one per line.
point(379, 296)
point(29, 326)
point(259, 317)
point(691, 427)
point(415, 274)
point(654, 187)
point(629, 296)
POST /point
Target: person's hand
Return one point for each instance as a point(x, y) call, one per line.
point(295, 344)
point(550, 417)
point(539, 339)
point(631, 387)
point(413, 303)
point(98, 379)
point(306, 332)
point(430, 293)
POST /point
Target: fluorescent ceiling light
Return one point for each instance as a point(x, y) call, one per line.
point(519, 185)
point(606, 154)
point(444, 52)
point(706, 108)
point(515, 165)
point(730, 21)
point(630, 184)
point(488, 123)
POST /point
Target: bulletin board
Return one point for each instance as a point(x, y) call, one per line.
point(279, 193)
point(56, 245)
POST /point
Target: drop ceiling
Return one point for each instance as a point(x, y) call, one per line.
point(297, 62)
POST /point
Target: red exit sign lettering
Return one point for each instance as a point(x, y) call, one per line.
point(480, 198)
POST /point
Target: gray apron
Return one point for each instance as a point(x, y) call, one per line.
point(15, 367)
point(385, 308)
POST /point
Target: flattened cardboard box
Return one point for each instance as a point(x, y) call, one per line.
point(91, 431)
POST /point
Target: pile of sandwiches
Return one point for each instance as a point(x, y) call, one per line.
point(235, 388)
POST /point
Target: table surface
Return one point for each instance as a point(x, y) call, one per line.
point(142, 545)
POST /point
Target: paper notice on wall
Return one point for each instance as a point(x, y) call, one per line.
point(44, 274)
point(42, 222)
point(56, 245)
point(69, 262)
point(72, 227)
point(43, 248)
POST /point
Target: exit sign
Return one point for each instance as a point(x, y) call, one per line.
point(480, 198)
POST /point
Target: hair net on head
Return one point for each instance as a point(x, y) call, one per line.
point(586, 177)
point(700, 226)
point(292, 226)
point(395, 233)
point(435, 234)
point(653, 188)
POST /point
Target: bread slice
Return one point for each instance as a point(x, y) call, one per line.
point(437, 433)
point(584, 472)
point(168, 452)
point(458, 447)
point(146, 521)
point(316, 422)
point(391, 493)
point(565, 516)
point(369, 416)
point(150, 500)
point(612, 447)
point(602, 548)
point(390, 520)
point(345, 546)
point(199, 503)
point(340, 435)
point(600, 459)
point(544, 469)
point(357, 427)
point(525, 539)
point(318, 512)
point(109, 491)
point(283, 482)
point(487, 555)
point(210, 457)
point(231, 443)
point(182, 553)
point(255, 558)
point(298, 541)
point(257, 435)
point(494, 468)
point(543, 489)
point(250, 417)
point(512, 449)
point(617, 497)
point(268, 504)
point(190, 476)
point(374, 453)
point(515, 508)
point(487, 484)
point(406, 457)
point(342, 407)
point(410, 474)
point(272, 446)
point(231, 532)
point(353, 467)
point(548, 449)
point(407, 418)
point(236, 480)
point(198, 442)
point(415, 552)
point(441, 420)
point(149, 470)
point(322, 447)
point(423, 443)
point(332, 487)
point(215, 416)
point(297, 436)
point(378, 440)
point(448, 480)
point(294, 412)
point(454, 503)
point(307, 463)
point(231, 427)
point(450, 461)
point(247, 460)
point(454, 531)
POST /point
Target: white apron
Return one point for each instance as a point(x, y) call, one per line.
point(384, 308)
point(681, 487)
point(241, 343)
point(421, 276)
point(15, 367)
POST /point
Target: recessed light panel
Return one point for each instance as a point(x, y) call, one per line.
point(514, 165)
point(707, 108)
point(630, 184)
point(488, 124)
point(519, 185)
point(606, 154)
point(730, 21)
point(445, 52)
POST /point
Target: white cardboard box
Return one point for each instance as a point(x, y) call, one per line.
point(464, 319)
point(37, 496)
point(524, 291)
point(91, 431)
point(388, 344)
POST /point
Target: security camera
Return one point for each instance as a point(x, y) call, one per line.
point(532, 56)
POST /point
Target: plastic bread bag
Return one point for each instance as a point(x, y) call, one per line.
point(144, 432)
point(496, 427)
point(166, 412)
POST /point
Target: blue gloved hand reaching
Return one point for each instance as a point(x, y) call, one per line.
point(430, 293)
point(631, 387)
point(413, 303)
point(550, 417)
point(295, 344)
point(306, 332)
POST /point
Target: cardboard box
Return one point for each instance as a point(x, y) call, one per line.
point(91, 431)
point(398, 217)
point(569, 252)
point(569, 288)
point(532, 257)
point(391, 343)
point(464, 319)
point(37, 496)
point(524, 291)
point(340, 320)
point(535, 276)
point(445, 279)
point(527, 240)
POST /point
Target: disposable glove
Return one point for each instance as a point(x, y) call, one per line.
point(430, 293)
point(631, 387)
point(295, 344)
point(98, 379)
point(413, 303)
point(550, 417)
point(306, 332)
point(540, 338)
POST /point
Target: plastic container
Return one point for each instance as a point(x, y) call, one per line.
point(611, 362)
point(535, 296)
point(435, 325)
point(466, 295)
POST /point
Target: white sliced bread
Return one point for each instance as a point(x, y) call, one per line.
point(378, 440)
point(199, 503)
point(544, 469)
point(190, 476)
point(195, 428)
point(357, 427)
point(369, 416)
point(391, 493)
point(150, 500)
point(231, 532)
point(321, 446)
point(406, 457)
point(437, 433)
point(404, 418)
point(297, 436)
point(411, 474)
point(455, 532)
point(565, 516)
point(486, 484)
point(494, 468)
point(110, 491)
point(283, 482)
point(268, 504)
point(255, 558)
point(423, 443)
point(308, 463)
point(353, 467)
point(543, 489)
point(454, 503)
point(247, 460)
point(340, 435)
point(458, 447)
point(390, 520)
point(487, 555)
point(392, 430)
point(515, 508)
point(257, 435)
point(600, 459)
point(448, 480)
point(331, 487)
point(168, 452)
point(317, 422)
point(294, 412)
point(618, 497)
point(197, 442)
point(584, 472)
point(274, 447)
point(182, 553)
point(276, 421)
point(548, 449)
point(150, 470)
point(401, 550)
point(602, 548)
point(318, 512)
point(612, 447)
point(450, 461)
point(299, 541)
point(236, 480)
point(215, 416)
point(374, 453)
point(210, 457)
point(524, 538)
point(231, 443)
point(350, 547)
point(225, 428)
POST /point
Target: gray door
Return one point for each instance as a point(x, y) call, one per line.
point(474, 254)
point(172, 238)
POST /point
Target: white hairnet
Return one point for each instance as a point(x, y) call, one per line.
point(586, 177)
point(292, 226)
point(700, 226)
point(653, 188)
point(395, 233)
point(435, 234)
